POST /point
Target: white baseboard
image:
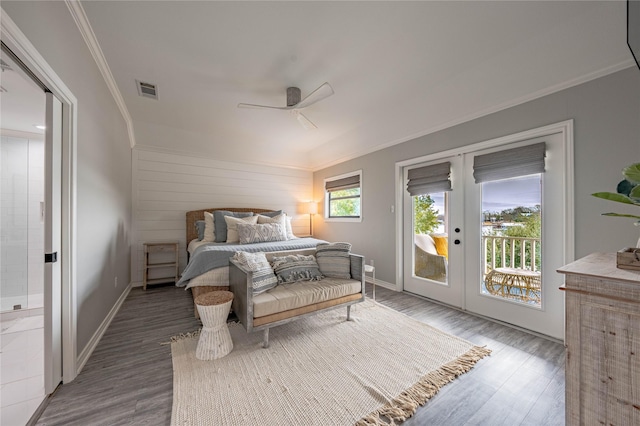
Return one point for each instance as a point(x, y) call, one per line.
point(136, 284)
point(95, 339)
point(381, 283)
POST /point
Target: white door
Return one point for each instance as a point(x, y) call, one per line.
point(506, 237)
point(432, 224)
point(52, 244)
point(515, 231)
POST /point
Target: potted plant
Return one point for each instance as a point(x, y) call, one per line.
point(628, 192)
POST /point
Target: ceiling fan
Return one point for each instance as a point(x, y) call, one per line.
point(295, 103)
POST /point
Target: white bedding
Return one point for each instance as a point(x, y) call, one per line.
point(219, 276)
point(216, 277)
point(194, 244)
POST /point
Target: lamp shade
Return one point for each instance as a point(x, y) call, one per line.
point(312, 207)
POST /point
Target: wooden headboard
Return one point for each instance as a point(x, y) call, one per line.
point(195, 215)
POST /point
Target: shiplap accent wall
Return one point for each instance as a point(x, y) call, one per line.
point(167, 185)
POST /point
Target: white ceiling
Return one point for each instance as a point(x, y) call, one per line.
point(399, 69)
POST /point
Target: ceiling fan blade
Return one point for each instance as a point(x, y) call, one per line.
point(317, 95)
point(304, 121)
point(260, 106)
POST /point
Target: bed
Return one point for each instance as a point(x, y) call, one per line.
point(208, 262)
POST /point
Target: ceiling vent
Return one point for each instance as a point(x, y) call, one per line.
point(147, 90)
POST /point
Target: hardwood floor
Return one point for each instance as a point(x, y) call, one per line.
point(128, 379)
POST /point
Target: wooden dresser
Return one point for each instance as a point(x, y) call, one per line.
point(603, 342)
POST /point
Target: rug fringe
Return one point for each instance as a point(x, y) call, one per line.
point(407, 403)
point(182, 336)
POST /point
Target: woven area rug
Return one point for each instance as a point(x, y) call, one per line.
point(321, 370)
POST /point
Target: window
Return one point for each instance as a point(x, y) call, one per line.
point(343, 197)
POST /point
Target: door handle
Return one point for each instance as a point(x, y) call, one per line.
point(51, 257)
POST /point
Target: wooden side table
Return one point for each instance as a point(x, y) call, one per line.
point(161, 256)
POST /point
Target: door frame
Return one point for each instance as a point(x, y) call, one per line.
point(565, 128)
point(28, 54)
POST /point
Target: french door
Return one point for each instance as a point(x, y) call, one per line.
point(491, 245)
point(433, 261)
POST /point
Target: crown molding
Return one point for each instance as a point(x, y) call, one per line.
point(81, 20)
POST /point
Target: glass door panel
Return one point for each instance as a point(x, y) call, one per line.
point(430, 236)
point(511, 244)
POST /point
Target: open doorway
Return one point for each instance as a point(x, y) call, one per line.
point(22, 232)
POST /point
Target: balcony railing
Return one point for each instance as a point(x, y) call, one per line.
point(511, 252)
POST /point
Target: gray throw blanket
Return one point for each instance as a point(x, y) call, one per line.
point(217, 255)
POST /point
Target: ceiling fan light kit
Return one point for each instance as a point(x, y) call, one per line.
point(295, 103)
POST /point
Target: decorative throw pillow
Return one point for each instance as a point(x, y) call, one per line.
point(272, 214)
point(221, 225)
point(232, 226)
point(261, 233)
point(296, 267)
point(209, 228)
point(442, 244)
point(263, 277)
point(281, 219)
point(333, 259)
point(200, 228)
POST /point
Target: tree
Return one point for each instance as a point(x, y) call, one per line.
point(345, 203)
point(425, 215)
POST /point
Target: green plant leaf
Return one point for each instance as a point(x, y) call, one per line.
point(619, 198)
point(635, 192)
point(621, 215)
point(632, 173)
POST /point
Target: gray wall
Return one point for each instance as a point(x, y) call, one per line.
point(104, 161)
point(606, 114)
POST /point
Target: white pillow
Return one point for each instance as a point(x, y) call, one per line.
point(426, 243)
point(209, 229)
point(290, 235)
point(281, 219)
point(232, 226)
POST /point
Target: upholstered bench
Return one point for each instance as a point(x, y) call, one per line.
point(290, 301)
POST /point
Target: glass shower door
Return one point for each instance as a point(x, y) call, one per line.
point(14, 175)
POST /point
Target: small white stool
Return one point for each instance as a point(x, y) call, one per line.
point(215, 340)
point(369, 269)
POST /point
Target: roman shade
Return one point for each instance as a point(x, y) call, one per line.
point(429, 179)
point(509, 163)
point(348, 182)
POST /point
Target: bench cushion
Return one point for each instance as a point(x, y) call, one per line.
point(295, 295)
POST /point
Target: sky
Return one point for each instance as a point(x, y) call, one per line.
point(505, 194)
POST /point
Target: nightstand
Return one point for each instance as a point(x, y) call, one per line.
point(160, 263)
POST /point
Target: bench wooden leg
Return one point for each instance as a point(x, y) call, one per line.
point(265, 338)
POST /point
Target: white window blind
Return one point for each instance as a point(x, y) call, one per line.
point(522, 161)
point(429, 179)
